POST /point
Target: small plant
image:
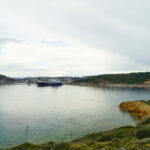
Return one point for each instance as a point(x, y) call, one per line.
point(27, 127)
point(143, 132)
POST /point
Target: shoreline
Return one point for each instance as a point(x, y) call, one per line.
point(140, 109)
point(93, 85)
point(114, 85)
point(123, 138)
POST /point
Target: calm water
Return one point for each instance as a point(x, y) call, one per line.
point(52, 113)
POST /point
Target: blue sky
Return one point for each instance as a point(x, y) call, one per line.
point(73, 37)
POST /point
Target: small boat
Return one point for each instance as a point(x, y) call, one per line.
point(49, 83)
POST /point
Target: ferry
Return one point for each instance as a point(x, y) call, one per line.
point(49, 83)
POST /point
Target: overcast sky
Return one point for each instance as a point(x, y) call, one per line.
point(74, 37)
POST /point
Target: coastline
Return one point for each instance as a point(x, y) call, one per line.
point(113, 85)
point(123, 138)
point(140, 109)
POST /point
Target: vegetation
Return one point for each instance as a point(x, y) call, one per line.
point(143, 132)
point(129, 78)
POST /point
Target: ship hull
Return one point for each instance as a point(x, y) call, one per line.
point(49, 83)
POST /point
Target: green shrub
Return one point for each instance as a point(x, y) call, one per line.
point(143, 132)
point(62, 146)
point(111, 135)
point(25, 146)
point(147, 121)
point(123, 132)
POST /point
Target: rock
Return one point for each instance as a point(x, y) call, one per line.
point(139, 108)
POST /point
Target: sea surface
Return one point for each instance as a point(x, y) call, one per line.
point(61, 113)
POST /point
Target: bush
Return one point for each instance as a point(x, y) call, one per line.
point(111, 135)
point(62, 146)
point(143, 132)
point(147, 121)
point(123, 132)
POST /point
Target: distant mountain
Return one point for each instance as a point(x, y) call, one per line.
point(124, 78)
point(5, 79)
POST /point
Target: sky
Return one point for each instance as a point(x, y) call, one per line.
point(74, 37)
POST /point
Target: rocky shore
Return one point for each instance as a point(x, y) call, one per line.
point(140, 109)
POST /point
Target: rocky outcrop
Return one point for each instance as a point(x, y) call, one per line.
point(139, 108)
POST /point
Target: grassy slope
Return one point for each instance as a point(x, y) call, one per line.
point(130, 78)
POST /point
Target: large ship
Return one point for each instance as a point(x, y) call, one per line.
point(49, 83)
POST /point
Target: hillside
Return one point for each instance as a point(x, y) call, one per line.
point(129, 78)
point(5, 79)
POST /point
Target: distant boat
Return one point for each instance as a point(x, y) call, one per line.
point(49, 83)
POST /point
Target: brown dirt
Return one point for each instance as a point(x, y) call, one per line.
point(102, 81)
point(147, 82)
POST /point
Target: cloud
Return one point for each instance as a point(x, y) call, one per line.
point(79, 37)
point(4, 41)
point(14, 67)
point(1, 52)
point(54, 43)
point(17, 69)
point(8, 40)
